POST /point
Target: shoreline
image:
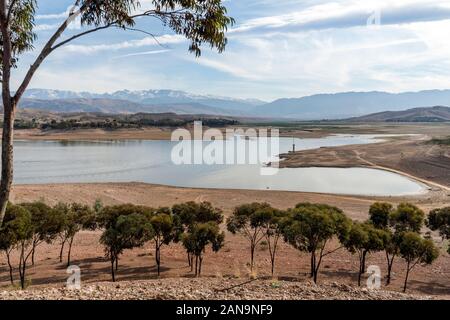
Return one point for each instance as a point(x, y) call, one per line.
point(108, 189)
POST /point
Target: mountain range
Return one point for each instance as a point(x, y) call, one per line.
point(433, 114)
point(315, 107)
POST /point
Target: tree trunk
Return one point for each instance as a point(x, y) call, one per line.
point(112, 269)
point(7, 154)
point(360, 269)
point(70, 251)
point(390, 263)
point(313, 264)
point(22, 266)
point(8, 114)
point(10, 267)
point(61, 251)
point(406, 278)
point(272, 261)
point(196, 265)
point(32, 253)
point(272, 252)
point(363, 266)
point(117, 263)
point(158, 258)
point(315, 276)
point(200, 266)
point(252, 256)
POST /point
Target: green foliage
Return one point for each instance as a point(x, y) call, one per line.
point(189, 216)
point(440, 141)
point(166, 228)
point(250, 220)
point(191, 213)
point(76, 217)
point(414, 249)
point(199, 237)
point(439, 220)
point(17, 231)
point(98, 206)
point(21, 29)
point(17, 227)
point(407, 217)
point(128, 232)
point(108, 216)
point(364, 238)
point(47, 224)
point(312, 226)
point(379, 214)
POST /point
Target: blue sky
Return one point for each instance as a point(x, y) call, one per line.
point(283, 48)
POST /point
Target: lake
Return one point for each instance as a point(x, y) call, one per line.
point(38, 162)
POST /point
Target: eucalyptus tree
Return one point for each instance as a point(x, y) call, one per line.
point(166, 228)
point(126, 232)
point(311, 227)
point(199, 237)
point(108, 216)
point(47, 224)
point(416, 250)
point(75, 217)
point(17, 232)
point(395, 222)
point(16, 227)
point(364, 238)
point(190, 214)
point(199, 21)
point(273, 221)
point(439, 220)
point(250, 220)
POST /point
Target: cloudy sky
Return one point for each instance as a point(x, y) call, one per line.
point(282, 48)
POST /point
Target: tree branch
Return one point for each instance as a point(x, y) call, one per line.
point(45, 52)
point(8, 16)
point(60, 44)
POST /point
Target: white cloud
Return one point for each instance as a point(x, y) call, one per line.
point(143, 53)
point(350, 13)
point(144, 42)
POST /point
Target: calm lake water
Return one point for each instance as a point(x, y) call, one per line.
point(150, 161)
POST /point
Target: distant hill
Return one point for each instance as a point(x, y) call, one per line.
point(351, 104)
point(315, 107)
point(432, 114)
point(119, 106)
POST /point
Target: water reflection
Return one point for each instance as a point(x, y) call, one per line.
point(149, 161)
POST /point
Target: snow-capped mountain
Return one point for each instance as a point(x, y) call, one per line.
point(149, 97)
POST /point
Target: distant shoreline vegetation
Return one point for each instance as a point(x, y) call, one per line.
point(121, 122)
point(441, 141)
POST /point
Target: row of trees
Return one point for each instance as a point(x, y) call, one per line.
point(312, 228)
point(195, 225)
point(27, 225)
point(122, 122)
point(318, 229)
